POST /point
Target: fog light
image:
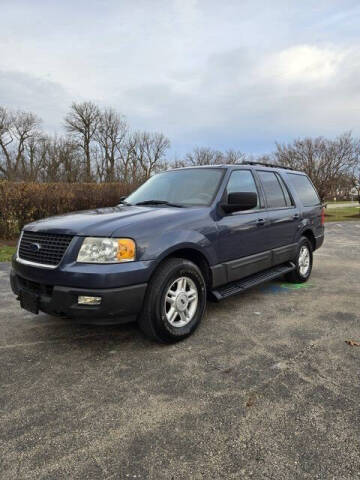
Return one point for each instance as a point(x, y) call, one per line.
point(84, 300)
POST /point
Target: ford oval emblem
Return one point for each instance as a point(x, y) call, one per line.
point(35, 247)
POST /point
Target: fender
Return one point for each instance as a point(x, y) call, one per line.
point(164, 245)
point(305, 224)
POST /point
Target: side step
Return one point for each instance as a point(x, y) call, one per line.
point(239, 286)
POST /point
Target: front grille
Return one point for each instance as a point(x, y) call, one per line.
point(44, 248)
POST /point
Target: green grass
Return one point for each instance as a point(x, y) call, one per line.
point(341, 214)
point(6, 253)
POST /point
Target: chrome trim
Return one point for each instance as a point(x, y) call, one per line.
point(35, 264)
point(18, 244)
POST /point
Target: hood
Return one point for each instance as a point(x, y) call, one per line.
point(100, 222)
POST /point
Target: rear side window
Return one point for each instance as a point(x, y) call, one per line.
point(242, 181)
point(274, 192)
point(305, 190)
point(288, 200)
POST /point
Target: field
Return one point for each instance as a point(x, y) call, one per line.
point(349, 202)
point(340, 214)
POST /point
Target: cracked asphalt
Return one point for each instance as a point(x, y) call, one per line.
point(267, 388)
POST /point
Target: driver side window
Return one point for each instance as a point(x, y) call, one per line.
point(242, 181)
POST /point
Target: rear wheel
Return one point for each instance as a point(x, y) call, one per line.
point(303, 261)
point(175, 301)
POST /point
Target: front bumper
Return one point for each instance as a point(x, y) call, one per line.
point(118, 305)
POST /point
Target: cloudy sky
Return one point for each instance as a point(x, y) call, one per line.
point(226, 74)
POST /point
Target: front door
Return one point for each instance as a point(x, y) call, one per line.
point(242, 240)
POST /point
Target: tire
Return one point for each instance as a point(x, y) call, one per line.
point(300, 274)
point(172, 311)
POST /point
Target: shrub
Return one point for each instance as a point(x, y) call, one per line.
point(21, 203)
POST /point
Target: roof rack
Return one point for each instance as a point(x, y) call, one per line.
point(271, 165)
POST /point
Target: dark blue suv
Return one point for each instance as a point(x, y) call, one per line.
point(184, 235)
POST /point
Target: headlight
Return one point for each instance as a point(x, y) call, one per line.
point(106, 250)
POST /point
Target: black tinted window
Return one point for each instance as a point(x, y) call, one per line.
point(242, 181)
point(285, 191)
point(304, 189)
point(273, 191)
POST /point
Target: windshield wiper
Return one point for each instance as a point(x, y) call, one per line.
point(160, 202)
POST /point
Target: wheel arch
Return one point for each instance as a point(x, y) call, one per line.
point(195, 256)
point(309, 234)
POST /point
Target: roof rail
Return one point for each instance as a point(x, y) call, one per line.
point(271, 165)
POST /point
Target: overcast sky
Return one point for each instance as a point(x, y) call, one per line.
point(226, 74)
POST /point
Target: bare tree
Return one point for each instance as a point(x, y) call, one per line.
point(204, 156)
point(177, 163)
point(19, 133)
point(6, 140)
point(267, 158)
point(100, 147)
point(26, 132)
point(33, 160)
point(149, 150)
point(61, 160)
point(324, 160)
point(82, 122)
point(234, 157)
point(128, 166)
point(110, 135)
point(208, 156)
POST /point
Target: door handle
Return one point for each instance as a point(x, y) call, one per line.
point(296, 216)
point(260, 221)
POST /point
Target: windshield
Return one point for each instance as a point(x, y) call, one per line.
point(193, 186)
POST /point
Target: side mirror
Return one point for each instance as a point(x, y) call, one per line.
point(238, 201)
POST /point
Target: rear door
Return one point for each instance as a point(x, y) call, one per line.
point(283, 216)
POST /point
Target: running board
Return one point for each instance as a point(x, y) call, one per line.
point(239, 286)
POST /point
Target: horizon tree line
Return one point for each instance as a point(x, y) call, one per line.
point(99, 146)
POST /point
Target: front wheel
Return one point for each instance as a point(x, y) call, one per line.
point(175, 301)
point(303, 261)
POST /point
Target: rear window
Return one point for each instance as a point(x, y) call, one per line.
point(305, 190)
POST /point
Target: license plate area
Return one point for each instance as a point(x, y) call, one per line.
point(29, 301)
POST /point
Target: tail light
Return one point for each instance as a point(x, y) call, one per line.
point(322, 215)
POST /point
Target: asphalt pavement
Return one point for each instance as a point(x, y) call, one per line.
point(267, 388)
